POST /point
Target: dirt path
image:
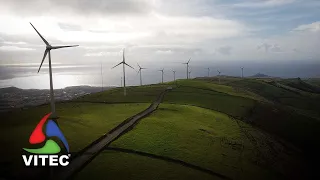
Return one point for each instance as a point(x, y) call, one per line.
point(90, 152)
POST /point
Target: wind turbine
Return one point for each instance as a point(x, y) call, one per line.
point(174, 75)
point(187, 63)
point(219, 75)
point(189, 74)
point(140, 68)
point(124, 71)
point(162, 74)
point(48, 51)
point(242, 71)
point(208, 72)
point(101, 78)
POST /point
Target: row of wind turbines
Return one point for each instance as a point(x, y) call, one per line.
point(49, 47)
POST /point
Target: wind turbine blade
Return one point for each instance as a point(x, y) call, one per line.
point(189, 61)
point(128, 65)
point(139, 66)
point(58, 47)
point(116, 65)
point(184, 63)
point(44, 56)
point(45, 41)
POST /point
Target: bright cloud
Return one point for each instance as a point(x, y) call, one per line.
point(14, 48)
point(313, 27)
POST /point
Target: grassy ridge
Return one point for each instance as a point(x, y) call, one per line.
point(211, 140)
point(302, 85)
point(81, 124)
point(208, 85)
point(195, 135)
point(115, 165)
point(292, 117)
point(146, 93)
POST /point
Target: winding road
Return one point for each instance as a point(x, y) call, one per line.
point(91, 151)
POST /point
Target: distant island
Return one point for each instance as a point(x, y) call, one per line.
point(259, 75)
point(13, 97)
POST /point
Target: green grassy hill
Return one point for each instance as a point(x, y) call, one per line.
point(239, 129)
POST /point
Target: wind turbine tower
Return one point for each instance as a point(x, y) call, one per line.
point(187, 63)
point(242, 71)
point(101, 78)
point(140, 68)
point(174, 75)
point(162, 74)
point(219, 75)
point(208, 72)
point(124, 71)
point(48, 51)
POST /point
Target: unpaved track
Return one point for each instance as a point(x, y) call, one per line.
point(91, 151)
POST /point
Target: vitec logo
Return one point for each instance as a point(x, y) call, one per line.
point(48, 154)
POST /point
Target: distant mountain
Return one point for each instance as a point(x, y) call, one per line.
point(259, 75)
point(10, 90)
point(12, 97)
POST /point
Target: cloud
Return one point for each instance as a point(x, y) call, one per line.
point(14, 43)
point(263, 3)
point(15, 48)
point(313, 27)
point(69, 27)
point(275, 48)
point(224, 50)
point(100, 54)
point(159, 30)
point(166, 52)
point(86, 7)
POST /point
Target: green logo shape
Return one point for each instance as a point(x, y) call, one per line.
point(51, 147)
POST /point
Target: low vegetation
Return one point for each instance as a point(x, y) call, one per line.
point(241, 128)
point(81, 124)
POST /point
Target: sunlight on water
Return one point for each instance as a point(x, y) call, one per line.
point(42, 81)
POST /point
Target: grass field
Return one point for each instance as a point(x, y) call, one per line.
point(241, 128)
point(208, 85)
point(301, 85)
point(81, 124)
point(210, 140)
point(116, 165)
point(314, 81)
point(289, 109)
point(146, 93)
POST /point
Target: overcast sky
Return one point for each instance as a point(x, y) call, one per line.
point(162, 33)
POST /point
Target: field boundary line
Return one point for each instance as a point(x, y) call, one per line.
point(168, 159)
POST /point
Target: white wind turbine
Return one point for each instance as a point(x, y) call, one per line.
point(124, 71)
point(208, 72)
point(162, 74)
point(242, 71)
point(219, 75)
point(174, 75)
point(187, 63)
point(48, 51)
point(140, 68)
point(101, 78)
